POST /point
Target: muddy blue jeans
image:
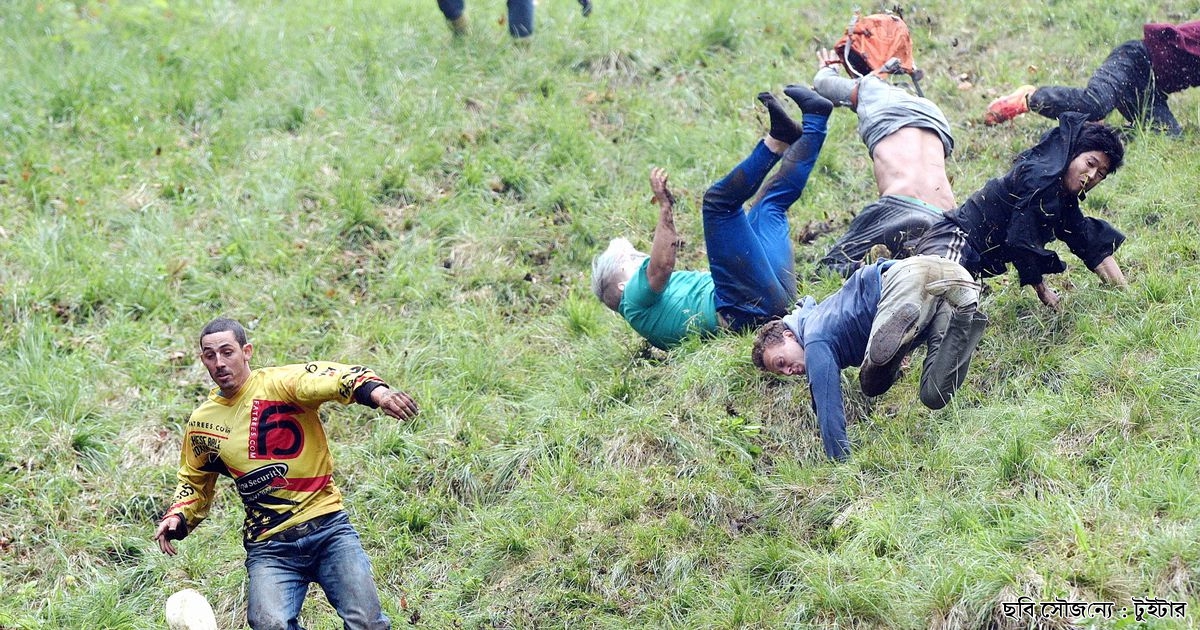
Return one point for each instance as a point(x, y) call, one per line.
point(327, 551)
point(750, 252)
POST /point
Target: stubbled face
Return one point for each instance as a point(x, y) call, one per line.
point(227, 362)
point(1084, 172)
point(786, 357)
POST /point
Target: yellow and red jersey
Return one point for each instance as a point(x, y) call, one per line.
point(269, 439)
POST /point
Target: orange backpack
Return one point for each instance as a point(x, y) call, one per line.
point(877, 39)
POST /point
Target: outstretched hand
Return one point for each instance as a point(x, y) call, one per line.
point(167, 531)
point(658, 183)
point(395, 403)
point(827, 57)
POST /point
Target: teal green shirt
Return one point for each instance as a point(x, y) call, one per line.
point(685, 306)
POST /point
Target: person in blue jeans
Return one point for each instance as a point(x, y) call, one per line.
point(751, 277)
point(520, 16)
point(263, 429)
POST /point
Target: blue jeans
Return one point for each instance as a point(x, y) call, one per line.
point(520, 15)
point(278, 575)
point(750, 252)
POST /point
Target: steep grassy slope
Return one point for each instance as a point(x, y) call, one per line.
point(356, 186)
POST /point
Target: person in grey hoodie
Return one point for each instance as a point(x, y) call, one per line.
point(880, 314)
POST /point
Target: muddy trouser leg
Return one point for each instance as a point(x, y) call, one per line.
point(1122, 82)
point(743, 282)
point(953, 337)
point(520, 18)
point(768, 216)
point(913, 290)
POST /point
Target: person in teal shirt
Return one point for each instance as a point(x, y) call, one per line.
point(751, 277)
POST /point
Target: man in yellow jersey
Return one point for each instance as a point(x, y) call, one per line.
point(262, 428)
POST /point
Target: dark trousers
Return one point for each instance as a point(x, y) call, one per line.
point(1125, 82)
point(896, 222)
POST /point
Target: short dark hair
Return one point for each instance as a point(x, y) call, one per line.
point(225, 324)
point(769, 336)
point(1096, 136)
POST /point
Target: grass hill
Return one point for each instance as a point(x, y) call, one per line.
point(356, 186)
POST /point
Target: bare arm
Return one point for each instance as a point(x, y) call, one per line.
point(666, 240)
point(1110, 272)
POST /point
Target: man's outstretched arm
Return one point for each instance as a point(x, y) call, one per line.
point(666, 240)
point(394, 403)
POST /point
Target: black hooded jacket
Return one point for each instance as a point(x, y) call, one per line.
point(1012, 218)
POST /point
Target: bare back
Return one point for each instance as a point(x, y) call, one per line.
point(912, 162)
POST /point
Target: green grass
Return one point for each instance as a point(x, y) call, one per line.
point(356, 186)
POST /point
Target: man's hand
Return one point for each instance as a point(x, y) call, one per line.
point(1046, 295)
point(827, 58)
point(662, 250)
point(395, 403)
point(658, 184)
point(168, 529)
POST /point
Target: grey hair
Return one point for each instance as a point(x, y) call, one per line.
point(606, 270)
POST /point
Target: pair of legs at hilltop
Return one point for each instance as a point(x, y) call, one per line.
point(520, 16)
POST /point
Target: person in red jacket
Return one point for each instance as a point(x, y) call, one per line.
point(1135, 80)
point(263, 429)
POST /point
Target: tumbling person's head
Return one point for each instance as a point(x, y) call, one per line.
point(1095, 136)
point(776, 350)
point(612, 268)
point(1098, 152)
